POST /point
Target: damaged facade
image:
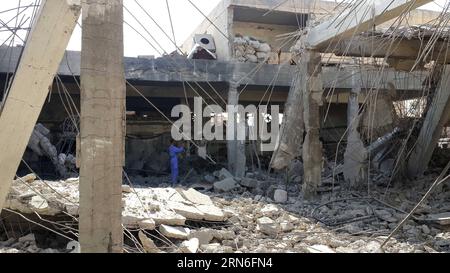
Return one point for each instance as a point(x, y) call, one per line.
point(353, 117)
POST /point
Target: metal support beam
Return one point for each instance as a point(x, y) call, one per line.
point(41, 57)
point(102, 126)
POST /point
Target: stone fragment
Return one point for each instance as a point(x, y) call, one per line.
point(225, 185)
point(319, 249)
point(196, 197)
point(204, 236)
point(249, 182)
point(280, 196)
point(39, 204)
point(267, 226)
point(174, 232)
point(148, 244)
point(27, 238)
point(147, 224)
point(190, 246)
point(223, 174)
point(126, 188)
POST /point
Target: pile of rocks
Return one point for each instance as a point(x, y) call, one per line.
point(144, 208)
point(25, 244)
point(249, 49)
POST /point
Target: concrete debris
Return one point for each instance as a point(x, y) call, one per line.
point(143, 208)
point(223, 174)
point(280, 196)
point(148, 244)
point(320, 249)
point(267, 226)
point(148, 224)
point(204, 236)
point(248, 182)
point(228, 184)
point(181, 233)
point(190, 246)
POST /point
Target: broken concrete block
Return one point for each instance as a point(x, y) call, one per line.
point(174, 232)
point(148, 244)
point(319, 249)
point(126, 188)
point(39, 204)
point(249, 182)
point(209, 178)
point(190, 246)
point(280, 196)
point(147, 224)
point(196, 197)
point(225, 185)
point(267, 226)
point(223, 174)
point(212, 213)
point(205, 236)
point(27, 238)
point(270, 210)
point(29, 178)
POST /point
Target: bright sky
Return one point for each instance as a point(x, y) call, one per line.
point(185, 19)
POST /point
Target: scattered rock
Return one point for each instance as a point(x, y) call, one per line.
point(319, 249)
point(148, 244)
point(27, 238)
point(267, 226)
point(190, 246)
point(280, 196)
point(147, 224)
point(225, 185)
point(174, 232)
point(249, 182)
point(126, 188)
point(204, 236)
point(39, 204)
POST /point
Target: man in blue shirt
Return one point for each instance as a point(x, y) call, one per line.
point(174, 150)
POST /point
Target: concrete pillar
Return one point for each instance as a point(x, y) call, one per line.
point(38, 65)
point(289, 145)
point(437, 116)
point(310, 66)
point(355, 156)
point(235, 147)
point(102, 127)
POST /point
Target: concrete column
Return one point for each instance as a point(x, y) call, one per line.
point(235, 147)
point(437, 116)
point(289, 145)
point(102, 127)
point(38, 65)
point(310, 65)
point(355, 156)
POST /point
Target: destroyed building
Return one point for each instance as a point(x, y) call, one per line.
point(365, 112)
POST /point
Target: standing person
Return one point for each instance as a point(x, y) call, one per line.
point(174, 150)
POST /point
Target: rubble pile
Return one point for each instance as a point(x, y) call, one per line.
point(259, 214)
point(144, 208)
point(251, 50)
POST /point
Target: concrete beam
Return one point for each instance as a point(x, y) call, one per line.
point(39, 64)
point(359, 17)
point(102, 127)
point(379, 47)
point(177, 70)
point(437, 116)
